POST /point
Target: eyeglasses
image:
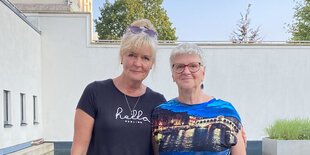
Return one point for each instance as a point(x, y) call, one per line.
point(192, 67)
point(137, 30)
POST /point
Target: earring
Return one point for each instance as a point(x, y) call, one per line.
point(201, 86)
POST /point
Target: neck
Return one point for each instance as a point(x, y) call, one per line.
point(193, 96)
point(129, 87)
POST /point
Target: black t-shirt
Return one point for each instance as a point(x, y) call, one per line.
point(117, 130)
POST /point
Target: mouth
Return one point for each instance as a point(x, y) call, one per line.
point(186, 78)
point(134, 71)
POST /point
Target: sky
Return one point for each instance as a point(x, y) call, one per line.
point(215, 20)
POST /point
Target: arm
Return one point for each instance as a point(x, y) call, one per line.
point(83, 127)
point(244, 137)
point(239, 148)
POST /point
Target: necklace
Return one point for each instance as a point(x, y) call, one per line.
point(131, 111)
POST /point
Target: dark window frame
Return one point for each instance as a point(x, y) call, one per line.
point(35, 110)
point(7, 108)
point(23, 110)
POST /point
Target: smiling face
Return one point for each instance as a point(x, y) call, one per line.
point(187, 79)
point(137, 64)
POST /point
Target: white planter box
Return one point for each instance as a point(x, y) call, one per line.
point(285, 147)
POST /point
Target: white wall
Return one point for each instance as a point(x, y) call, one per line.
point(20, 72)
point(263, 82)
point(68, 66)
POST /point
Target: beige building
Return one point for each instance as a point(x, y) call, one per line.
point(55, 6)
point(31, 6)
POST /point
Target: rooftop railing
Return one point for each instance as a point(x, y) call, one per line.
point(304, 42)
point(19, 14)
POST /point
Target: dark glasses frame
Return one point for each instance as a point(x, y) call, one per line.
point(181, 70)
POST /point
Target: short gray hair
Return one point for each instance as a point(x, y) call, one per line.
point(187, 48)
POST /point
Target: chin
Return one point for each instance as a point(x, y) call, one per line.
point(138, 78)
point(186, 86)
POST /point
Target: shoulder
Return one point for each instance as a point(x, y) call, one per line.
point(153, 94)
point(167, 105)
point(163, 108)
point(107, 82)
point(220, 102)
point(226, 108)
point(99, 84)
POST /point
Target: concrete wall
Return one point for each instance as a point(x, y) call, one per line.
point(69, 65)
point(20, 72)
point(264, 82)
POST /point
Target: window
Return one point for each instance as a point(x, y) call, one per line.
point(35, 110)
point(22, 109)
point(7, 108)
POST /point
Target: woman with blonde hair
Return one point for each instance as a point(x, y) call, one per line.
point(113, 115)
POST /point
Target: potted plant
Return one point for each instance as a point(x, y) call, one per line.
point(287, 137)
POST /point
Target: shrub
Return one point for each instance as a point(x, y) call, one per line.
point(295, 129)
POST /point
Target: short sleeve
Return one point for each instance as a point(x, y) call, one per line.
point(163, 99)
point(235, 113)
point(87, 101)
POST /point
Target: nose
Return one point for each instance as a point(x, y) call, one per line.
point(186, 70)
point(138, 62)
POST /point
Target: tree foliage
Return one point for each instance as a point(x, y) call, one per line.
point(300, 28)
point(244, 33)
point(115, 18)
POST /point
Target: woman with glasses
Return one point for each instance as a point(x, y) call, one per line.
point(194, 122)
point(113, 116)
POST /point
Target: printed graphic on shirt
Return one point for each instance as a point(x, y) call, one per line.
point(136, 116)
point(131, 114)
point(207, 128)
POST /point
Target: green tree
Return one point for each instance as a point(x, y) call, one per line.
point(300, 28)
point(115, 18)
point(245, 34)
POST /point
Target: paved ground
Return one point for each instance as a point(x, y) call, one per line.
point(63, 148)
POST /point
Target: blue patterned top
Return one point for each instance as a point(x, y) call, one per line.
point(208, 128)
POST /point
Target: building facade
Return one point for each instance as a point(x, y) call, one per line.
point(61, 6)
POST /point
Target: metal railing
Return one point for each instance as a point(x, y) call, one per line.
point(19, 14)
point(291, 42)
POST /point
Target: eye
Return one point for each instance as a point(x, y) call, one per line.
point(131, 55)
point(193, 65)
point(179, 66)
point(146, 58)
